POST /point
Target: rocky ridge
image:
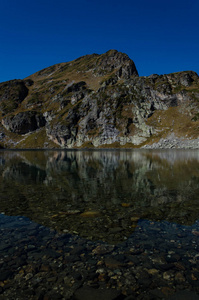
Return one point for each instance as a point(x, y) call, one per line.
point(100, 101)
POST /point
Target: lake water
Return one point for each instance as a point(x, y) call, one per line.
point(114, 224)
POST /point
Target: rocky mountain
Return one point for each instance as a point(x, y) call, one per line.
point(100, 101)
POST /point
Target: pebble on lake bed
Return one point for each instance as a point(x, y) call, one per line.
point(90, 214)
point(38, 263)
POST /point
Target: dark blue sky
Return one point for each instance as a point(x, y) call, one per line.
point(160, 36)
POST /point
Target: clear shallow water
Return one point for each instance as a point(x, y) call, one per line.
point(145, 204)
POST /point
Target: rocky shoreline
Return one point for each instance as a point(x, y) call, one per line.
point(173, 142)
point(159, 261)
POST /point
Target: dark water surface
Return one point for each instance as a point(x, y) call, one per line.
point(115, 224)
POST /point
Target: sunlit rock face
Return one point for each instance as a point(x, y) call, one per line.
point(99, 101)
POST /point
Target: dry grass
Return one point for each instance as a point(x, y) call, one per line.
point(172, 120)
point(36, 140)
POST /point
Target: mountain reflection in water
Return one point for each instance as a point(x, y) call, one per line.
point(100, 194)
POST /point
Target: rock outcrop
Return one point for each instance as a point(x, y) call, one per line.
point(12, 93)
point(99, 101)
point(24, 122)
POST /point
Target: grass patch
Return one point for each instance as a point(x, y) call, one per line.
point(87, 145)
point(36, 140)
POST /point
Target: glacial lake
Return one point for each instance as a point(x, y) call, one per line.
point(108, 224)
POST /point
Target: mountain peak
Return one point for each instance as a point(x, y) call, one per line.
point(112, 52)
point(92, 68)
point(116, 62)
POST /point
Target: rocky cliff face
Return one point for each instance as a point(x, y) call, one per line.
point(99, 101)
